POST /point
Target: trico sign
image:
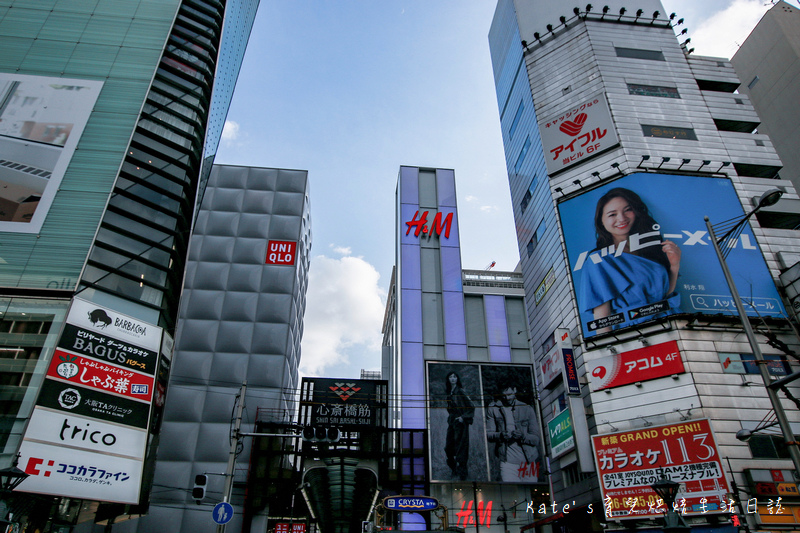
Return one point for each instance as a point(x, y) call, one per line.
point(281, 252)
point(419, 223)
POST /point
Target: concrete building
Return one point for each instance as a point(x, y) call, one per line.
point(241, 320)
point(596, 103)
point(768, 63)
point(111, 114)
point(456, 356)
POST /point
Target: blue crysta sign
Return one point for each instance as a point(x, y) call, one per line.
point(410, 503)
point(638, 250)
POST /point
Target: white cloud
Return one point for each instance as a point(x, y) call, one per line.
point(471, 198)
point(341, 250)
point(489, 208)
point(230, 131)
point(721, 34)
point(344, 315)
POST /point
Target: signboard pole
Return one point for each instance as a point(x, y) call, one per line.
point(780, 415)
point(226, 492)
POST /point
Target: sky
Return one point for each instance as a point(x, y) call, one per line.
point(350, 90)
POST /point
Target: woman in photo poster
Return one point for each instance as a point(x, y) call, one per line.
point(637, 267)
point(460, 414)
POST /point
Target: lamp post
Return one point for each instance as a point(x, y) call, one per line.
point(10, 479)
point(667, 490)
point(767, 199)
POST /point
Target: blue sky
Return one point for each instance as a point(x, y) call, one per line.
point(352, 89)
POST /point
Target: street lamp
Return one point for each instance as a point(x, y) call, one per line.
point(728, 240)
point(667, 490)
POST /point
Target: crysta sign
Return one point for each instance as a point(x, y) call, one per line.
point(410, 503)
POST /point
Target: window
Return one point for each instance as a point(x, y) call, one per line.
point(515, 122)
point(669, 132)
point(768, 447)
point(528, 194)
point(522, 154)
point(636, 53)
point(752, 82)
point(653, 90)
point(534, 242)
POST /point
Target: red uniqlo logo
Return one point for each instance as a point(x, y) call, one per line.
point(281, 252)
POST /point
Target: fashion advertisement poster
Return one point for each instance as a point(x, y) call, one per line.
point(639, 250)
point(483, 424)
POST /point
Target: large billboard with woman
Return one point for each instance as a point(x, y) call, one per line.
point(483, 423)
point(638, 250)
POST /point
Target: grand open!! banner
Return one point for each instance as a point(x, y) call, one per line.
point(628, 463)
point(639, 250)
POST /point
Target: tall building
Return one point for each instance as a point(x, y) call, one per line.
point(110, 115)
point(241, 320)
point(618, 142)
point(456, 356)
point(768, 63)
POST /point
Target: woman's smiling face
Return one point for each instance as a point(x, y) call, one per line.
point(618, 218)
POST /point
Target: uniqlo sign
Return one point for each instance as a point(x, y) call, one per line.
point(629, 462)
point(643, 364)
point(577, 134)
point(281, 252)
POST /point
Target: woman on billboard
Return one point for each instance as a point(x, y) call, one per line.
point(637, 267)
point(460, 413)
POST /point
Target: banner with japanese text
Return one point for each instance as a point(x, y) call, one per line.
point(639, 251)
point(629, 462)
point(578, 133)
point(642, 364)
point(87, 435)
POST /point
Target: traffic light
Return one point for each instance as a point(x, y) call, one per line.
point(199, 489)
point(321, 434)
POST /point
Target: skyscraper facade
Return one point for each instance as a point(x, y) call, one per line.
point(455, 353)
point(241, 320)
point(109, 113)
point(768, 62)
point(618, 142)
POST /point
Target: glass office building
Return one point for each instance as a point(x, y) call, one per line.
point(111, 112)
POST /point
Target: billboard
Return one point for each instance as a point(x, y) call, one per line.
point(349, 404)
point(630, 461)
point(577, 134)
point(638, 250)
point(482, 423)
point(562, 437)
point(41, 120)
point(87, 435)
point(642, 364)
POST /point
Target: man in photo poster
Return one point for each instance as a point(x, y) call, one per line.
point(512, 427)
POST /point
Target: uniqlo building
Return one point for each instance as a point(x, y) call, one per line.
point(619, 141)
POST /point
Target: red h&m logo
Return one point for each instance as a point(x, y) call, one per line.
point(466, 516)
point(421, 224)
point(281, 252)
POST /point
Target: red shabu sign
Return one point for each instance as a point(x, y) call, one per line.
point(646, 363)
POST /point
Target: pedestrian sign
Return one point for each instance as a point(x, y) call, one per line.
point(223, 512)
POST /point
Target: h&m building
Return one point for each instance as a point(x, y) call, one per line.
point(619, 141)
point(456, 356)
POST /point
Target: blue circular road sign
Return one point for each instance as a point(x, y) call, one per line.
point(222, 513)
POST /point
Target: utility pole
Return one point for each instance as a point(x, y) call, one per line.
point(226, 492)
